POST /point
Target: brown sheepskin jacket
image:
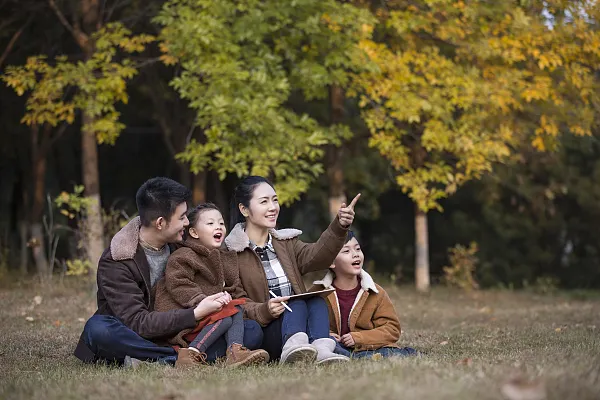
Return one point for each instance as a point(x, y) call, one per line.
point(296, 257)
point(194, 272)
point(373, 321)
point(124, 292)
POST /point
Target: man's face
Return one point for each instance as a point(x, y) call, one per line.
point(172, 230)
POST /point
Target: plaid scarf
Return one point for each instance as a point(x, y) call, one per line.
point(276, 278)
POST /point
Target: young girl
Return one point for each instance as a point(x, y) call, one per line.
point(199, 269)
point(274, 262)
point(362, 317)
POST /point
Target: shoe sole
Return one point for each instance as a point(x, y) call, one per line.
point(254, 359)
point(302, 354)
point(333, 360)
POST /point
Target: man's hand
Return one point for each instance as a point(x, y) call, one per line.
point(210, 304)
point(347, 340)
point(346, 214)
point(276, 307)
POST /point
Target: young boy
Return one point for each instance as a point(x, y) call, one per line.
point(362, 317)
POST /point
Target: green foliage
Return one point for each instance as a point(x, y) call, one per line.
point(78, 267)
point(62, 87)
point(241, 61)
point(463, 262)
point(458, 84)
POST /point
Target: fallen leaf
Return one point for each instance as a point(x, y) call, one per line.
point(37, 300)
point(30, 319)
point(486, 310)
point(557, 330)
point(57, 323)
point(465, 361)
point(445, 342)
point(522, 389)
point(376, 357)
point(80, 319)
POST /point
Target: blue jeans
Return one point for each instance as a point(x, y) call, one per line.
point(112, 341)
point(309, 316)
point(384, 351)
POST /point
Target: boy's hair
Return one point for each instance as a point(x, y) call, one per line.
point(159, 197)
point(194, 214)
point(351, 235)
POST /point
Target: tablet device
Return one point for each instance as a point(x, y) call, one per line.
point(322, 293)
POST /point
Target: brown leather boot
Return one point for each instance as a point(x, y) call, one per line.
point(239, 355)
point(190, 357)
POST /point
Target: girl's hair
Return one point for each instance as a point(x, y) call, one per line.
point(243, 194)
point(194, 214)
point(350, 236)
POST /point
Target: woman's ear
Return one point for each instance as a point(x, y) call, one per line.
point(193, 233)
point(243, 210)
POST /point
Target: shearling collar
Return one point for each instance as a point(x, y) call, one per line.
point(238, 240)
point(123, 245)
point(366, 282)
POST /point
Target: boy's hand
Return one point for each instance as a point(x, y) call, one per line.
point(346, 214)
point(209, 305)
point(335, 336)
point(276, 307)
point(347, 340)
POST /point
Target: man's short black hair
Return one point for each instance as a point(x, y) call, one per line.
point(159, 197)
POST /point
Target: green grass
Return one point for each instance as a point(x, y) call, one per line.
point(551, 339)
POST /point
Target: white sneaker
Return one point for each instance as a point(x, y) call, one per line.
point(297, 349)
point(325, 354)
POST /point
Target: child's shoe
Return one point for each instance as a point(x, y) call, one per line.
point(297, 348)
point(190, 357)
point(238, 355)
point(325, 354)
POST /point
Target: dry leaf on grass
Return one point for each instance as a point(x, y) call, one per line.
point(37, 300)
point(522, 389)
point(445, 342)
point(29, 319)
point(465, 361)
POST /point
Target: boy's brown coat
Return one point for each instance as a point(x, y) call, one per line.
point(373, 321)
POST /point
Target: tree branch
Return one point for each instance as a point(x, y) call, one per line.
point(80, 37)
point(13, 40)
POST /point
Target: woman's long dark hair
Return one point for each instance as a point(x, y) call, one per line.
point(242, 195)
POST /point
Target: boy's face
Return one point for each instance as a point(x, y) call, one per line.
point(349, 260)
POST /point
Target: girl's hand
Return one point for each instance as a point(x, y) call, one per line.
point(347, 340)
point(208, 305)
point(346, 214)
point(225, 299)
point(276, 307)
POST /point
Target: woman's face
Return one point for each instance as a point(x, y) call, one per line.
point(263, 209)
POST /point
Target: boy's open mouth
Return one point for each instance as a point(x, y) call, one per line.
point(356, 263)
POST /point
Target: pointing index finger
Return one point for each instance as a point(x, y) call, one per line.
point(354, 200)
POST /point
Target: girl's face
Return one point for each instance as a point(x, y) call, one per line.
point(263, 209)
point(349, 260)
point(209, 229)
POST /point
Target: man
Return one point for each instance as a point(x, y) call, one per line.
point(125, 326)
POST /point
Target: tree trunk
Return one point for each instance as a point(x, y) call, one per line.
point(335, 172)
point(91, 181)
point(39, 252)
point(23, 228)
point(38, 170)
point(422, 251)
point(199, 188)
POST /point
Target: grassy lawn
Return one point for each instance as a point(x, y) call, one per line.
point(475, 343)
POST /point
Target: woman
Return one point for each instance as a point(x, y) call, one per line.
point(275, 261)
